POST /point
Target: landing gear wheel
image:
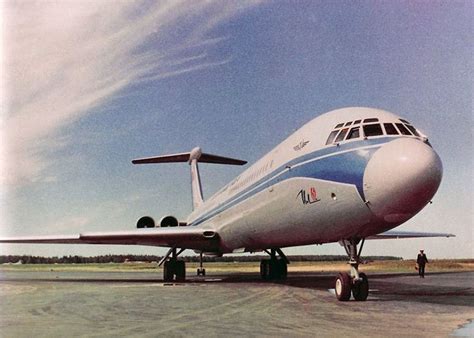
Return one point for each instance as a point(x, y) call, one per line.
point(360, 289)
point(180, 271)
point(201, 272)
point(168, 271)
point(265, 269)
point(274, 269)
point(282, 269)
point(172, 268)
point(278, 269)
point(343, 287)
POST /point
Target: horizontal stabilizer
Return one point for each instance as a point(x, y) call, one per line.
point(408, 234)
point(185, 157)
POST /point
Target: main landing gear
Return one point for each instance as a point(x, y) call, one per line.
point(173, 269)
point(355, 282)
point(275, 267)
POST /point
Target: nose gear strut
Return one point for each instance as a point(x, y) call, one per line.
point(355, 282)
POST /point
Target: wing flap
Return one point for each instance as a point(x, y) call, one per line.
point(182, 237)
point(408, 234)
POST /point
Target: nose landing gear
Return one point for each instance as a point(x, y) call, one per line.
point(355, 282)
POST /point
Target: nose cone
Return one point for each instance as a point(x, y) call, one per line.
point(401, 178)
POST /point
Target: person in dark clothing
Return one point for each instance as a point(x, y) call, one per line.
point(421, 261)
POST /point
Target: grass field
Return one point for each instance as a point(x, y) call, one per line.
point(395, 266)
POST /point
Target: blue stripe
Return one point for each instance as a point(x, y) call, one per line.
point(347, 167)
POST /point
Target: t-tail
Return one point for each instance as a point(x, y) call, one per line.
point(192, 157)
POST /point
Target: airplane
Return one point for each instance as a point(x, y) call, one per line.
point(346, 176)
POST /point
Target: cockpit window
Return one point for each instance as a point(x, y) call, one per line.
point(354, 133)
point(372, 130)
point(403, 129)
point(332, 136)
point(390, 129)
point(413, 130)
point(341, 135)
point(369, 127)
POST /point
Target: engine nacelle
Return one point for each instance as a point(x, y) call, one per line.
point(169, 221)
point(146, 222)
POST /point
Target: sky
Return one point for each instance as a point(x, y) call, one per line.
point(87, 86)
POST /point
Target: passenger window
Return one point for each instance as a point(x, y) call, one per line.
point(372, 130)
point(390, 129)
point(413, 130)
point(371, 120)
point(341, 135)
point(332, 136)
point(348, 124)
point(354, 133)
point(339, 125)
point(403, 129)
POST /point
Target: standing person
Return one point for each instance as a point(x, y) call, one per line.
point(421, 261)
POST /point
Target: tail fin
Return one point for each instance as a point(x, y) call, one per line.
point(192, 157)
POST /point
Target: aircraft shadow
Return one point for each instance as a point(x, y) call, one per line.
point(384, 287)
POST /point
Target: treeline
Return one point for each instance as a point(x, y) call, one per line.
point(150, 258)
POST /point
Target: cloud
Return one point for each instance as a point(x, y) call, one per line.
point(62, 58)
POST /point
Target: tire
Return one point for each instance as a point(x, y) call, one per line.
point(343, 287)
point(265, 269)
point(180, 271)
point(360, 289)
point(274, 269)
point(282, 269)
point(168, 271)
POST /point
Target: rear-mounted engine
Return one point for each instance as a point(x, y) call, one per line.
point(169, 221)
point(146, 222)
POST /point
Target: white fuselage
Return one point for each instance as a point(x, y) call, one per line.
point(371, 177)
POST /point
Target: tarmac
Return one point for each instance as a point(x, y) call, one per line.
point(111, 304)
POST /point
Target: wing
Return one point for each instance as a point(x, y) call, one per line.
point(408, 234)
point(181, 237)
